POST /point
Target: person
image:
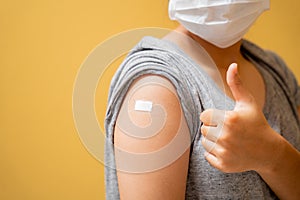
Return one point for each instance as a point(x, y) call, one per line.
point(203, 113)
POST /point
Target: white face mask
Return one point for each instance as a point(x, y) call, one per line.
point(220, 22)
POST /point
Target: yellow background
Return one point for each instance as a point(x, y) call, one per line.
point(42, 45)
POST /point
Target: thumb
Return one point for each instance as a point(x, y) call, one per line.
point(239, 92)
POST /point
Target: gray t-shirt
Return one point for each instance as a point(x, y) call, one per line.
point(197, 92)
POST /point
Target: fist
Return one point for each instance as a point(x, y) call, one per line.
point(238, 140)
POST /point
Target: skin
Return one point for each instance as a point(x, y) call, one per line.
point(246, 141)
point(169, 182)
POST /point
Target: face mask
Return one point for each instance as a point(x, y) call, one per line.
point(220, 22)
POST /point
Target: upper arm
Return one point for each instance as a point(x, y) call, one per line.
point(159, 137)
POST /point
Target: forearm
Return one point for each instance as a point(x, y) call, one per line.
point(283, 176)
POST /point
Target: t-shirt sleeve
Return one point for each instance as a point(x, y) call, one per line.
point(293, 85)
point(297, 96)
point(290, 79)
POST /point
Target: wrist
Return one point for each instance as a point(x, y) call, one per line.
point(273, 153)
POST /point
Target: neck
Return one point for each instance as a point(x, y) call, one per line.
point(223, 57)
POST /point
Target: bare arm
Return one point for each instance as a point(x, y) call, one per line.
point(284, 174)
point(284, 177)
point(166, 178)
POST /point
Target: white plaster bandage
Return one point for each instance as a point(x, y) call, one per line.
point(144, 106)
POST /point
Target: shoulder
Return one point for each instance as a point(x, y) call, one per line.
point(155, 75)
point(151, 111)
point(275, 66)
point(286, 75)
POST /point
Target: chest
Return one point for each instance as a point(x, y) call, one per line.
point(251, 78)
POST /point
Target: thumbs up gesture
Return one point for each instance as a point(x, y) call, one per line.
point(238, 140)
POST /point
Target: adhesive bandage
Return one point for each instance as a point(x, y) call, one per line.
point(144, 106)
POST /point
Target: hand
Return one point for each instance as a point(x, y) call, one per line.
point(238, 140)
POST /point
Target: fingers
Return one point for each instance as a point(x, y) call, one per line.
point(211, 133)
point(210, 136)
point(208, 145)
point(239, 92)
point(212, 117)
point(223, 149)
point(212, 159)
